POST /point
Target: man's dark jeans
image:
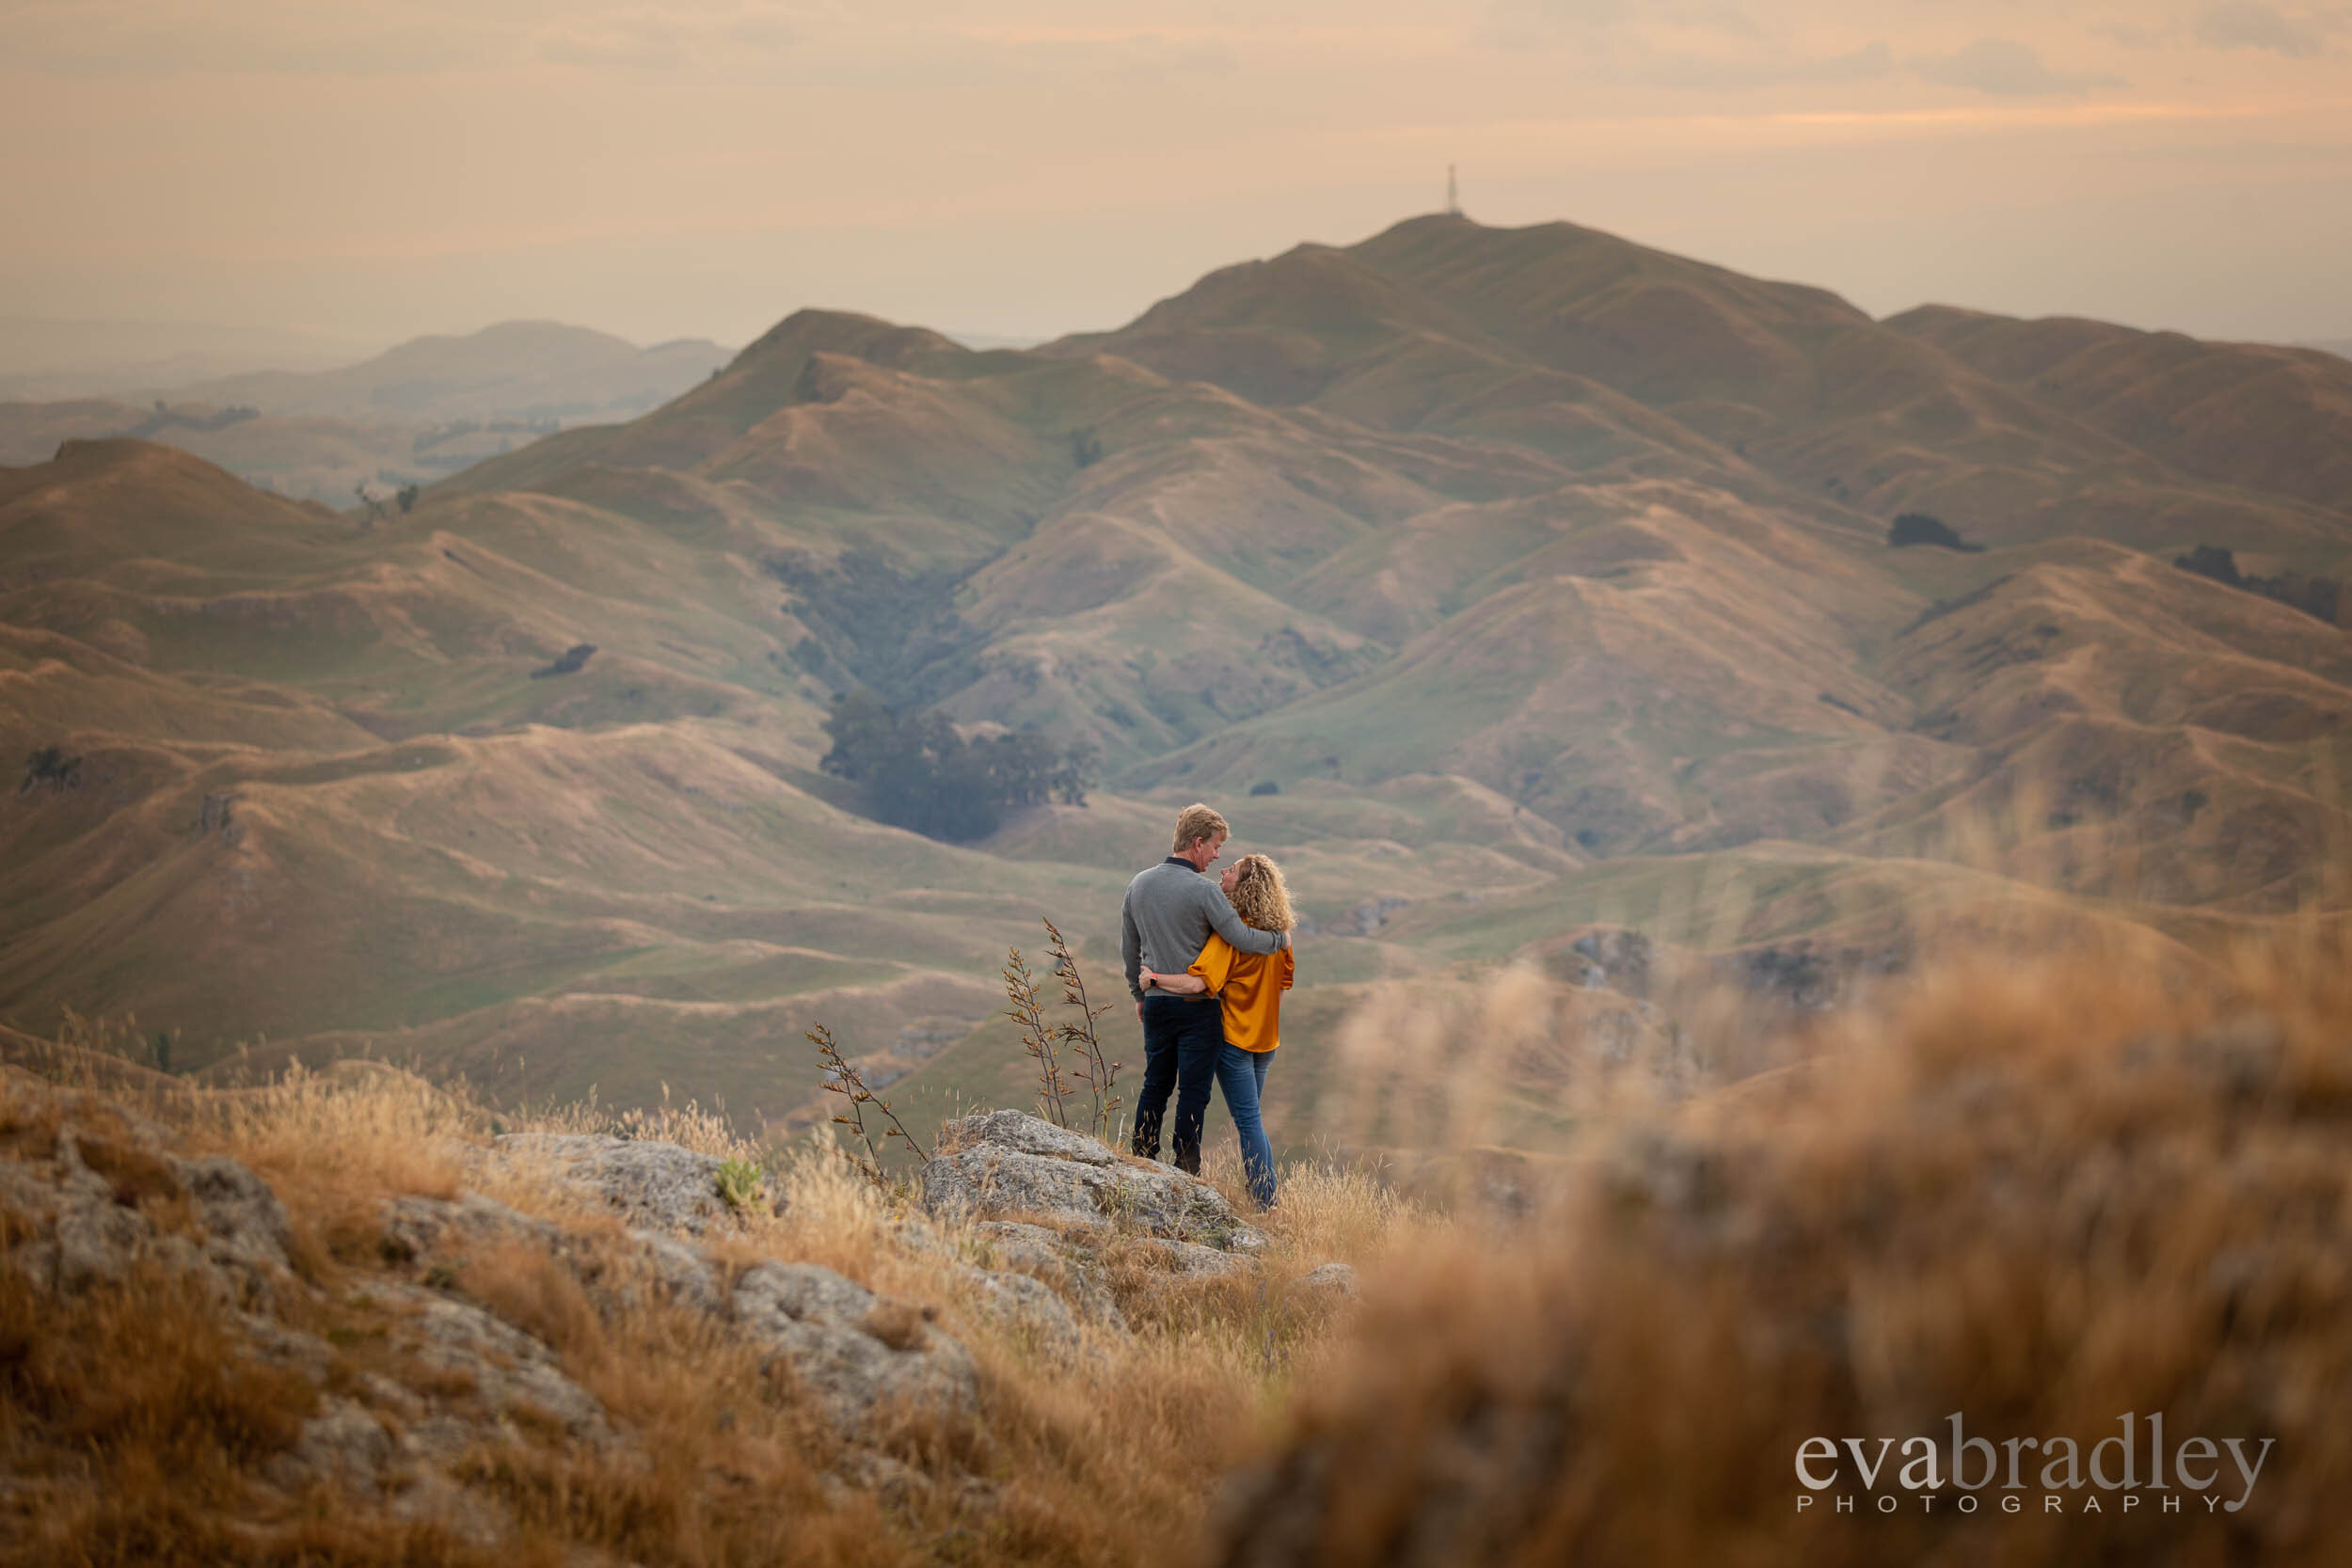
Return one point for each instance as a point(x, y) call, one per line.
point(1181, 1041)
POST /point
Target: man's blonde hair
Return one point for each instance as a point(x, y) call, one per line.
point(1260, 897)
point(1198, 821)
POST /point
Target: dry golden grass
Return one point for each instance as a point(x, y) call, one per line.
point(2039, 1194)
point(1102, 1451)
point(2042, 1194)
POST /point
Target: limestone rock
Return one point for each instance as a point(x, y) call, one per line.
point(1031, 1135)
point(514, 1379)
point(652, 1266)
point(1009, 1162)
point(422, 1228)
point(1030, 1306)
point(104, 1201)
point(647, 1182)
point(1337, 1279)
point(1032, 1248)
point(1190, 1257)
point(245, 1227)
point(343, 1445)
point(856, 1351)
point(1064, 1264)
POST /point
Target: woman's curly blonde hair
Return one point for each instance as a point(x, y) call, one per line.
point(1260, 897)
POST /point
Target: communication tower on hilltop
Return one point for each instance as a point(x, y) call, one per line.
point(1453, 193)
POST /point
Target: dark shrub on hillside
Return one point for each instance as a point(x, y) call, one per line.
point(915, 771)
point(2319, 597)
point(1265, 786)
point(574, 657)
point(1920, 527)
point(51, 765)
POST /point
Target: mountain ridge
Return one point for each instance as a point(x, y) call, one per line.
point(1498, 634)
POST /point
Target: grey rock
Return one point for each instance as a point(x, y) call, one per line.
point(271, 1342)
point(672, 1273)
point(416, 1228)
point(245, 1227)
point(81, 1231)
point(1029, 1134)
point(647, 1182)
point(1008, 1163)
point(653, 1267)
point(1190, 1257)
point(1336, 1279)
point(343, 1445)
point(1032, 1309)
point(76, 1234)
point(1029, 1247)
point(512, 1375)
point(1062, 1262)
point(857, 1353)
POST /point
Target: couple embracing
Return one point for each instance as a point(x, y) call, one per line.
point(1207, 959)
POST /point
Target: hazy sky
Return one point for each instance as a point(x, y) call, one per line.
point(666, 167)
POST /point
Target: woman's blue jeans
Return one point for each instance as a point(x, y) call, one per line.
point(1242, 1074)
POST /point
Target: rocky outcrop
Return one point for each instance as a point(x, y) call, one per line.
point(1066, 1267)
point(89, 1196)
point(859, 1352)
point(646, 1181)
point(1009, 1165)
point(108, 1197)
point(1191, 1258)
point(1332, 1279)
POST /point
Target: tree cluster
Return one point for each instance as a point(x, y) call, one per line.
point(2319, 598)
point(1921, 528)
point(915, 771)
point(51, 765)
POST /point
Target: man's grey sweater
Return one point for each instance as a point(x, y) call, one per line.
point(1171, 910)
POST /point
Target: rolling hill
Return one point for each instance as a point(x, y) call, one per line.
point(513, 369)
point(413, 414)
point(1517, 588)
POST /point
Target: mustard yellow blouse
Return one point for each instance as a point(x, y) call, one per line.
point(1250, 989)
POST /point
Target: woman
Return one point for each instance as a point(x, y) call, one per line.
point(1249, 996)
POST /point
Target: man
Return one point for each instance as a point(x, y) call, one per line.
point(1169, 913)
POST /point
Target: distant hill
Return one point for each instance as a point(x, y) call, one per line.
point(2249, 414)
point(45, 360)
point(514, 370)
point(1509, 585)
point(305, 457)
point(414, 414)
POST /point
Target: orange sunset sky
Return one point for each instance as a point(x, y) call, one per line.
point(370, 170)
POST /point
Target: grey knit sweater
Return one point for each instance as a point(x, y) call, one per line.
point(1169, 913)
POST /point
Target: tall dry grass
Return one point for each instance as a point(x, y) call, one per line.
point(136, 1430)
point(2039, 1194)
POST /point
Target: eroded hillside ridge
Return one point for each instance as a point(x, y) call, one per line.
point(1506, 584)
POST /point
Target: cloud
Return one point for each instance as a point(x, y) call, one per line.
point(367, 38)
point(2006, 68)
point(2249, 24)
point(1702, 45)
point(1673, 70)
